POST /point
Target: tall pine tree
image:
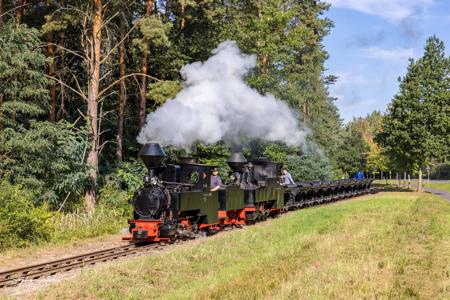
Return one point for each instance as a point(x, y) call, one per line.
point(23, 87)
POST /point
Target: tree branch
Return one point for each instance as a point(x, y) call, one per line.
point(126, 76)
point(67, 86)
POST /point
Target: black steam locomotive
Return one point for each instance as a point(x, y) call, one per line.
point(176, 201)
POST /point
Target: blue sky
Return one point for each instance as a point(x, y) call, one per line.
point(370, 44)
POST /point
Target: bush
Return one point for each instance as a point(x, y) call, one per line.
point(47, 159)
point(21, 223)
point(112, 197)
point(308, 167)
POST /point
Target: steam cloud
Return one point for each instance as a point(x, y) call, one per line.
point(216, 104)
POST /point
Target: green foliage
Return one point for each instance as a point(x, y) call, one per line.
point(162, 91)
point(59, 22)
point(352, 150)
point(130, 174)
point(46, 159)
point(113, 197)
point(120, 186)
point(154, 31)
point(21, 223)
point(276, 152)
point(22, 74)
point(416, 128)
point(214, 155)
point(308, 167)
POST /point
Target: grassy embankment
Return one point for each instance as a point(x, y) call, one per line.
point(443, 186)
point(439, 186)
point(390, 245)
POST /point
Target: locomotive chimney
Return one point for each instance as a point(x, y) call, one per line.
point(236, 161)
point(152, 155)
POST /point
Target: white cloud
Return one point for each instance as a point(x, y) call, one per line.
point(388, 54)
point(392, 10)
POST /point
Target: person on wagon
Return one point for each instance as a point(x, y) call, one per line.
point(216, 181)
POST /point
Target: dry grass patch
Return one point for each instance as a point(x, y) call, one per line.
point(390, 245)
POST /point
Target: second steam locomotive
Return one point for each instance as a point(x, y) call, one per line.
point(176, 201)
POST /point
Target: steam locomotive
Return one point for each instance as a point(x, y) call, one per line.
point(176, 201)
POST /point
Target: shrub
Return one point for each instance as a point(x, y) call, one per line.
point(112, 197)
point(308, 167)
point(21, 223)
point(47, 159)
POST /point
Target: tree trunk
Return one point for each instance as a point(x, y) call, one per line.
point(92, 109)
point(305, 114)
point(1, 114)
point(182, 14)
point(63, 75)
point(419, 183)
point(409, 181)
point(19, 10)
point(144, 66)
point(168, 10)
point(121, 104)
point(1, 96)
point(1, 12)
point(51, 72)
point(264, 63)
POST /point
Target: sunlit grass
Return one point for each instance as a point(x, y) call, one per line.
point(443, 186)
point(439, 186)
point(391, 245)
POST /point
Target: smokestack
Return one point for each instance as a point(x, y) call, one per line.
point(152, 155)
point(236, 161)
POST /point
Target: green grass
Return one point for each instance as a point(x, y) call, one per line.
point(80, 225)
point(443, 186)
point(391, 245)
point(439, 186)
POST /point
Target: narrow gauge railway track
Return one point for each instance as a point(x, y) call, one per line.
point(13, 277)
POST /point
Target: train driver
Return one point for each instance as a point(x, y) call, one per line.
point(216, 181)
point(287, 177)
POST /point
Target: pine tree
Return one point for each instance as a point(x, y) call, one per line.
point(23, 87)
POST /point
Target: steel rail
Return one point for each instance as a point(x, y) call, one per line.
point(15, 276)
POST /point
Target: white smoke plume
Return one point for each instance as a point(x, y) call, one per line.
point(216, 104)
